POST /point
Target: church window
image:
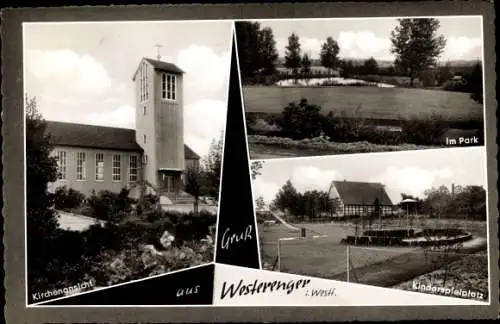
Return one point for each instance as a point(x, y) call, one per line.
point(132, 174)
point(116, 167)
point(80, 166)
point(99, 167)
point(143, 78)
point(168, 86)
point(61, 165)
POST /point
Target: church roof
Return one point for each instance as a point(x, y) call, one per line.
point(362, 193)
point(99, 137)
point(164, 66)
point(161, 66)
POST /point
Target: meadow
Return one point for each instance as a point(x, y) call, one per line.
point(374, 102)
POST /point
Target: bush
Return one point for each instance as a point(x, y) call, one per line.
point(194, 227)
point(65, 199)
point(146, 203)
point(427, 131)
point(302, 120)
point(110, 206)
point(341, 128)
point(451, 85)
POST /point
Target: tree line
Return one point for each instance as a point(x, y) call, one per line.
point(415, 43)
point(466, 201)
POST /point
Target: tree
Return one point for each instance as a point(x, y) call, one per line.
point(416, 45)
point(444, 73)
point(370, 66)
point(347, 68)
point(211, 168)
point(428, 77)
point(193, 186)
point(260, 203)
point(255, 168)
point(328, 55)
point(267, 51)
point(475, 83)
point(437, 201)
point(286, 199)
point(248, 38)
point(41, 169)
point(293, 54)
point(306, 65)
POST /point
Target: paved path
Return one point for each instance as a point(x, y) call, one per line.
point(187, 208)
point(76, 222)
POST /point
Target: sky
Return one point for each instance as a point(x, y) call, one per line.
point(82, 72)
point(410, 172)
point(362, 38)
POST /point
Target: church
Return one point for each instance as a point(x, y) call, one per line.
point(108, 158)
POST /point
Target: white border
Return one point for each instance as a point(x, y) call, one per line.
point(478, 148)
point(41, 304)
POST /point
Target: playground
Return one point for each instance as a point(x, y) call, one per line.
point(321, 249)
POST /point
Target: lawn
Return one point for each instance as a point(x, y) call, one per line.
point(377, 103)
point(322, 257)
point(325, 257)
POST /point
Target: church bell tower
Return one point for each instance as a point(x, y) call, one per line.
point(159, 128)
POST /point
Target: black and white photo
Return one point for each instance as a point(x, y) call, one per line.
point(414, 220)
point(354, 85)
point(124, 128)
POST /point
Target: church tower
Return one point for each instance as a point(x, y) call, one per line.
point(159, 127)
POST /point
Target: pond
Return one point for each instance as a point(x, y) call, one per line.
point(314, 82)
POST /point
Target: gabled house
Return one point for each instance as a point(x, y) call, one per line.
point(99, 158)
point(359, 199)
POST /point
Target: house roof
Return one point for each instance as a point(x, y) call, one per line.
point(99, 137)
point(362, 193)
point(161, 66)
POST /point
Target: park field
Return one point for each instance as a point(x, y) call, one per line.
point(373, 102)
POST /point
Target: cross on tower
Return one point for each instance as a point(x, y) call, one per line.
point(158, 55)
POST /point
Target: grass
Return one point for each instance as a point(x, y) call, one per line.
point(326, 258)
point(322, 257)
point(378, 103)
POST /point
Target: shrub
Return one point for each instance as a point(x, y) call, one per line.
point(302, 120)
point(341, 128)
point(110, 206)
point(426, 131)
point(265, 126)
point(65, 199)
point(146, 203)
point(194, 227)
